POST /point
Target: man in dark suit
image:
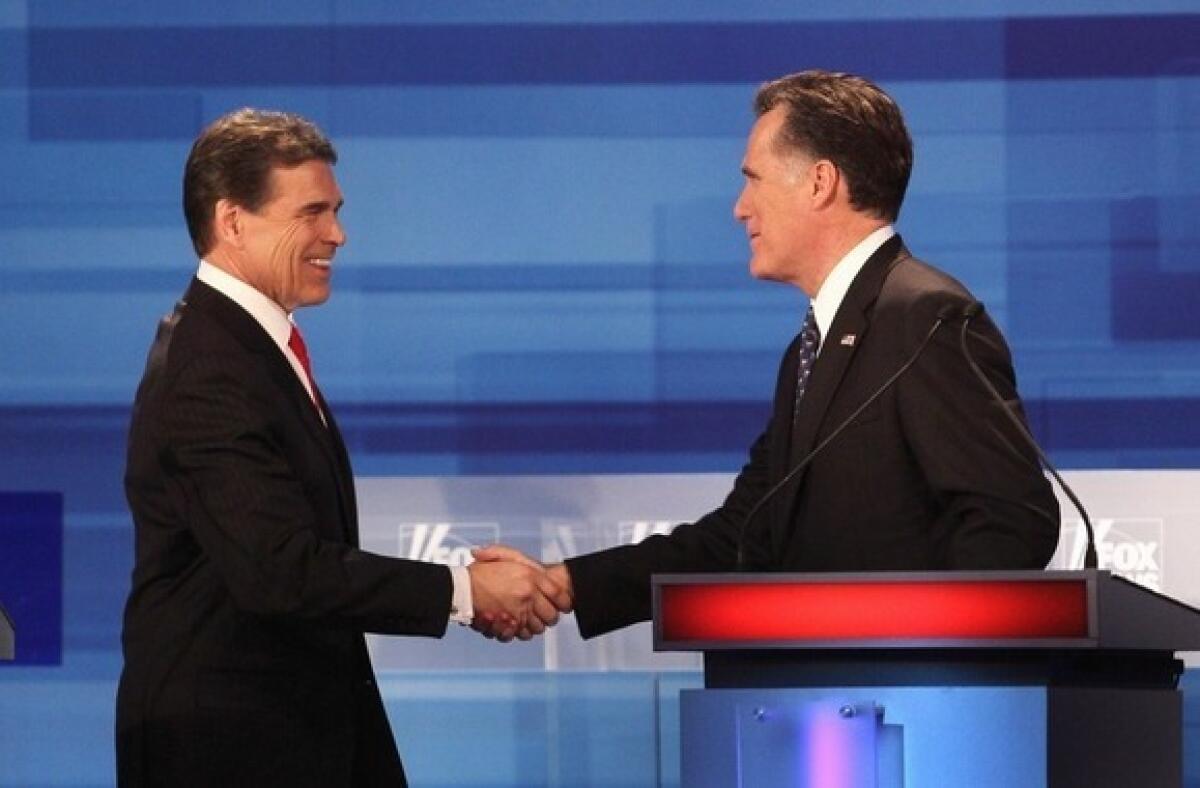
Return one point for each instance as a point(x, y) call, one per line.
point(931, 475)
point(245, 661)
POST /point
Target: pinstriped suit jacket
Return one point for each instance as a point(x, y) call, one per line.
point(245, 662)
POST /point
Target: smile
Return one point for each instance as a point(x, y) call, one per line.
point(324, 263)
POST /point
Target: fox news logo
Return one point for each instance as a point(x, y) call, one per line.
point(445, 543)
point(634, 531)
point(1127, 546)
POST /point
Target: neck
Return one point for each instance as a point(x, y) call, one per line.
point(221, 258)
point(231, 263)
point(834, 245)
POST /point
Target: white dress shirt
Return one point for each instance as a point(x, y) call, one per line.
point(829, 297)
point(268, 314)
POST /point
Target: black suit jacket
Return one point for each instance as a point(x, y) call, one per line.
point(931, 476)
point(245, 662)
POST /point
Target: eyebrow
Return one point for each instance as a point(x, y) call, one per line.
point(321, 205)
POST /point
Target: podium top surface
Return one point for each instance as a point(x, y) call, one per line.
point(1087, 609)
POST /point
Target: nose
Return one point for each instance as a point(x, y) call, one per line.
point(336, 234)
point(741, 207)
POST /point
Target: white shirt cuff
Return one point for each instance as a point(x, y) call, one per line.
point(462, 608)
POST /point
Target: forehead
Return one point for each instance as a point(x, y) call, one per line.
point(761, 144)
point(308, 181)
point(767, 126)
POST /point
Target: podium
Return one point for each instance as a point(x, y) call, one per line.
point(7, 638)
point(1057, 679)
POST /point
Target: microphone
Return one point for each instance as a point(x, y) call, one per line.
point(945, 313)
point(969, 313)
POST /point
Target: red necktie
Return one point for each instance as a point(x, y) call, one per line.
point(296, 343)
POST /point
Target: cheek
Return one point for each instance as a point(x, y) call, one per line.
point(294, 251)
point(785, 224)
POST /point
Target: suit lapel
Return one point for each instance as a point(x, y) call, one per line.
point(851, 320)
point(252, 335)
point(345, 475)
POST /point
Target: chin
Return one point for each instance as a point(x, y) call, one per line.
point(763, 272)
point(315, 299)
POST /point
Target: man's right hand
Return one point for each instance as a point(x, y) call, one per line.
point(513, 596)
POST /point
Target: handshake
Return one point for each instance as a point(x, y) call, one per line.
point(515, 596)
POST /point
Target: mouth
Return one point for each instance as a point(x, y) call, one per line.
point(323, 263)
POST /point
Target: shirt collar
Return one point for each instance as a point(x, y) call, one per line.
point(833, 290)
point(270, 315)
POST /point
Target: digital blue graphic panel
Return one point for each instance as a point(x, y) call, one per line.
point(544, 274)
point(539, 207)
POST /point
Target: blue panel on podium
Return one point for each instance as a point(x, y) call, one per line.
point(813, 745)
point(985, 737)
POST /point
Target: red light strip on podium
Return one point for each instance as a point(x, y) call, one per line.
point(816, 611)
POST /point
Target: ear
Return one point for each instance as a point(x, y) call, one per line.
point(227, 223)
point(825, 184)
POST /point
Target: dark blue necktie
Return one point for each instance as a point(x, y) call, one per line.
point(810, 341)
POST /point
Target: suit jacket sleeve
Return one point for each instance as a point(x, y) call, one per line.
point(612, 587)
point(255, 517)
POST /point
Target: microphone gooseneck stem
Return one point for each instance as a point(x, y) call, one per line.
point(1089, 556)
point(808, 458)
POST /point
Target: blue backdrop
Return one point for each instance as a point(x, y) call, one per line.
point(543, 272)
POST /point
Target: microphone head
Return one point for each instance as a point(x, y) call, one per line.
point(959, 312)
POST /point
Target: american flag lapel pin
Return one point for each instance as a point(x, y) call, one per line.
point(848, 340)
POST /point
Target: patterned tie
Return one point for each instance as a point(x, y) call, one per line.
point(810, 341)
point(296, 343)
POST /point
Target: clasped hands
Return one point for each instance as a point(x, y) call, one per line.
point(515, 596)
